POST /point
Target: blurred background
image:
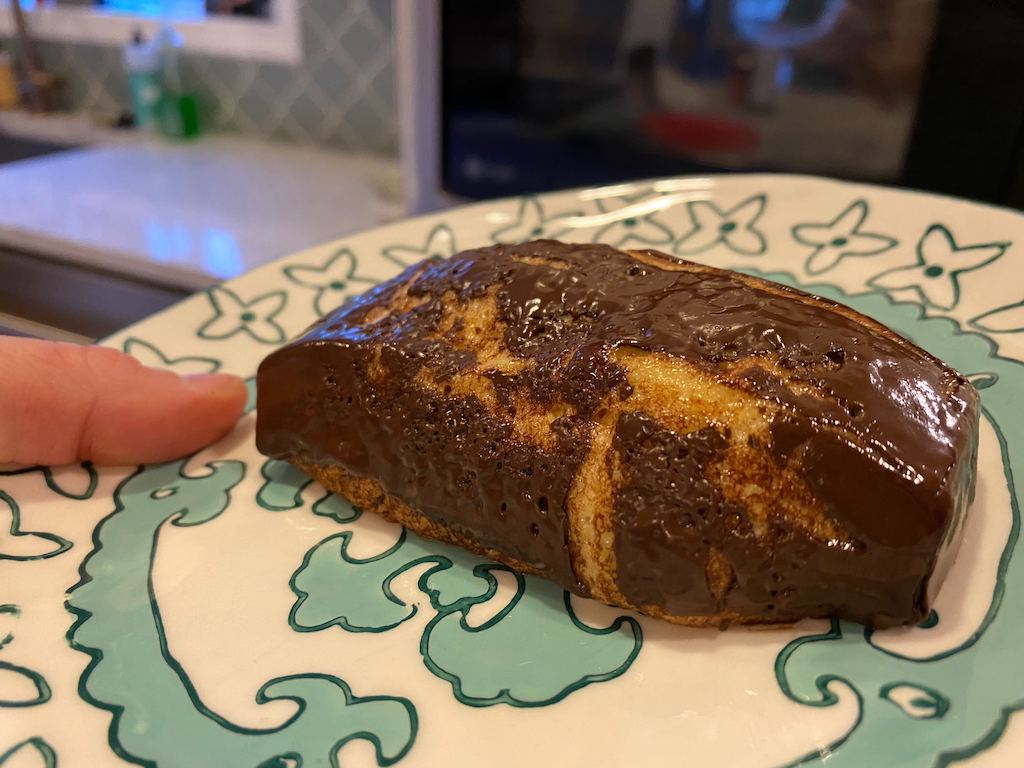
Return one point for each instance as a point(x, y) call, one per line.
point(151, 148)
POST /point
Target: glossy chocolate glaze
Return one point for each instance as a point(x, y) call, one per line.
point(886, 442)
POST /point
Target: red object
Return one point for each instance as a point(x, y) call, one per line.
point(698, 133)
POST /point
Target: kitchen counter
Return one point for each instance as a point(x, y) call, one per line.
point(95, 237)
point(189, 215)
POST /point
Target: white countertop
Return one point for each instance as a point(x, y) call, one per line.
point(189, 214)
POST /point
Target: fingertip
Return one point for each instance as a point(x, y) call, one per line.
point(226, 387)
point(166, 417)
point(218, 399)
point(60, 403)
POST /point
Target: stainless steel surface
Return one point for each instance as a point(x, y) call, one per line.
point(62, 301)
point(13, 148)
point(19, 326)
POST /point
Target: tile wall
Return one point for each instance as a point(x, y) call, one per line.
point(341, 95)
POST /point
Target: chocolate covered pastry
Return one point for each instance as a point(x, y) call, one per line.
point(696, 444)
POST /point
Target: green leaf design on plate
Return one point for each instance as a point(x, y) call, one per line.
point(133, 673)
point(233, 315)
point(16, 544)
point(843, 236)
point(150, 356)
point(917, 701)
point(926, 711)
point(439, 244)
point(19, 686)
point(7, 609)
point(532, 223)
point(939, 261)
point(333, 281)
point(45, 755)
point(74, 481)
point(533, 652)
point(1006, 319)
point(336, 508)
point(735, 228)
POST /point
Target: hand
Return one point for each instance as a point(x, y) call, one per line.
point(62, 403)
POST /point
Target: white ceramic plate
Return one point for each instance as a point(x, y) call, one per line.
point(225, 611)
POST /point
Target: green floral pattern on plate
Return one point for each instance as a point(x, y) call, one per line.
point(333, 280)
point(46, 756)
point(440, 244)
point(533, 223)
point(734, 228)
point(484, 639)
point(233, 315)
point(530, 653)
point(939, 263)
point(629, 227)
point(841, 237)
point(1007, 319)
point(150, 356)
point(282, 487)
point(76, 482)
point(16, 544)
point(133, 673)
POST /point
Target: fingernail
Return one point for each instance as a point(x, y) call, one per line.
point(215, 383)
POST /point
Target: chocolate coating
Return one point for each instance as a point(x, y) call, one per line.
point(881, 434)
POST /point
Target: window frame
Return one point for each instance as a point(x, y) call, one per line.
point(275, 39)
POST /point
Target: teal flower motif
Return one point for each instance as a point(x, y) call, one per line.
point(333, 280)
point(938, 264)
point(440, 244)
point(255, 317)
point(839, 238)
point(16, 544)
point(734, 228)
point(151, 357)
point(532, 223)
point(629, 227)
point(1006, 319)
